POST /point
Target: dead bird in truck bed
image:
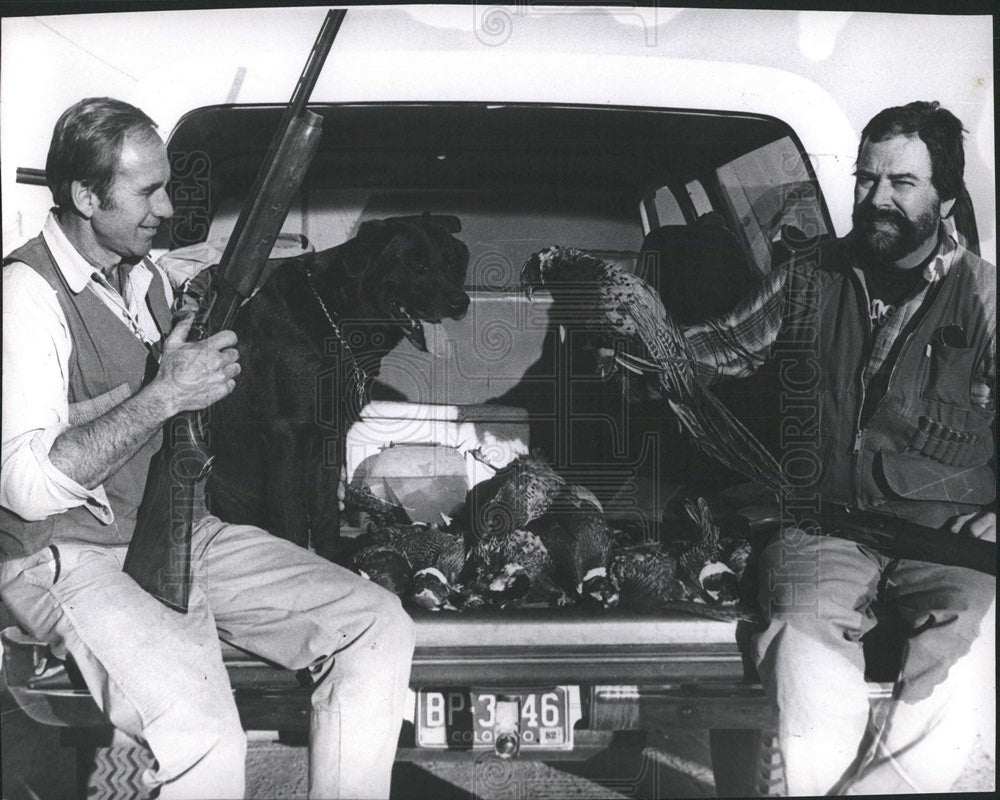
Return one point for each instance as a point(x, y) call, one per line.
point(517, 571)
point(516, 495)
point(702, 566)
point(646, 576)
point(433, 559)
point(385, 566)
point(578, 538)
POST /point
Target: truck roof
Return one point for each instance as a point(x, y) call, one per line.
point(500, 76)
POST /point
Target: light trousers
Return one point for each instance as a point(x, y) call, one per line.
point(817, 593)
point(158, 674)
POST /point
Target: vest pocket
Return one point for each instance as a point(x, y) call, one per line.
point(915, 477)
point(949, 374)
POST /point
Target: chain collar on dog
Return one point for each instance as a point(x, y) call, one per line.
point(360, 376)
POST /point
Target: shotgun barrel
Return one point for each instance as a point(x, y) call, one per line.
point(159, 555)
point(900, 538)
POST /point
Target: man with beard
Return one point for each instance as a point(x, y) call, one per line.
point(888, 338)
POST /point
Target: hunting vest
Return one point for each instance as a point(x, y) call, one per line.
point(926, 451)
point(107, 364)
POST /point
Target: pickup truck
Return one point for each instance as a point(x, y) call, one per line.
point(683, 170)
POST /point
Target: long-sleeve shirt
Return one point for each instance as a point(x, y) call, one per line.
point(737, 343)
point(36, 352)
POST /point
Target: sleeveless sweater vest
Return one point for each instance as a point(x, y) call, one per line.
point(107, 364)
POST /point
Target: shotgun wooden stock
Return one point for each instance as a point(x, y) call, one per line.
point(159, 555)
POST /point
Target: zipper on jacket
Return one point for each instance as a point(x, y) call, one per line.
point(865, 306)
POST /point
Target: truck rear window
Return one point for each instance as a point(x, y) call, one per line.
point(519, 177)
point(767, 188)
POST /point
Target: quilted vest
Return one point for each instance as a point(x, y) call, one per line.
point(107, 364)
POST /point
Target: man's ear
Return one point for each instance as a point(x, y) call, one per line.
point(85, 200)
point(946, 207)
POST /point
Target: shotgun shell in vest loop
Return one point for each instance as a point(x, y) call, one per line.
point(953, 446)
point(919, 439)
point(936, 441)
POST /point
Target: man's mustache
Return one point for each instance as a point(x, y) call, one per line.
point(874, 215)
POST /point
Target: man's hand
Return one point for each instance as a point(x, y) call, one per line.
point(980, 525)
point(193, 375)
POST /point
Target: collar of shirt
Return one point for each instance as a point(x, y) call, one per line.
point(893, 326)
point(940, 264)
point(80, 274)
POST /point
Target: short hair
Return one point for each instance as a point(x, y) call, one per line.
point(87, 144)
point(937, 128)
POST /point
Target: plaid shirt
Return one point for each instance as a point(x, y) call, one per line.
point(737, 343)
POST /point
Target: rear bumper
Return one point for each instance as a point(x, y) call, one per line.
point(651, 672)
point(491, 650)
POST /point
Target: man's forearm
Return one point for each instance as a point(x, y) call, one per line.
point(192, 376)
point(737, 343)
point(91, 452)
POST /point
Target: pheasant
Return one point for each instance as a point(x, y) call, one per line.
point(703, 566)
point(385, 566)
point(378, 511)
point(646, 576)
point(578, 539)
point(515, 495)
point(495, 509)
point(419, 542)
point(435, 558)
point(620, 309)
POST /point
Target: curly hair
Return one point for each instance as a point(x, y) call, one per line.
point(87, 144)
point(937, 128)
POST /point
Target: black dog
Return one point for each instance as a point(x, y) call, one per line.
point(310, 341)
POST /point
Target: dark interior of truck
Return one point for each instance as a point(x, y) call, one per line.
point(520, 178)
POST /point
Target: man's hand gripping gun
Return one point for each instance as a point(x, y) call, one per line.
point(159, 555)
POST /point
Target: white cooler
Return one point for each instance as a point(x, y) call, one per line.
point(425, 457)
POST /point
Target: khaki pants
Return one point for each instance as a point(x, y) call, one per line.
point(816, 593)
point(158, 674)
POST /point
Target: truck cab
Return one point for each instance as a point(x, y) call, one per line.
point(683, 171)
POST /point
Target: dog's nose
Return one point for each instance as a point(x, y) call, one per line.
point(459, 305)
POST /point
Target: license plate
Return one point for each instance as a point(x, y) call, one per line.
point(457, 719)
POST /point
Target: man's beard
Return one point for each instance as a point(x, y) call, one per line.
point(903, 238)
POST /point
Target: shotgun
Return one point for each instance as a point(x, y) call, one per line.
point(900, 538)
point(891, 536)
point(159, 555)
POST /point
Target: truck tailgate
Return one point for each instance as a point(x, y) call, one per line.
point(544, 646)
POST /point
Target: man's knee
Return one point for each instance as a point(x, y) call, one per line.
point(809, 671)
point(393, 625)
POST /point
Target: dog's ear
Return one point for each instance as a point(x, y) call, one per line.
point(373, 236)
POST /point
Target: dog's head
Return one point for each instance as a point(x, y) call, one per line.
point(408, 270)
